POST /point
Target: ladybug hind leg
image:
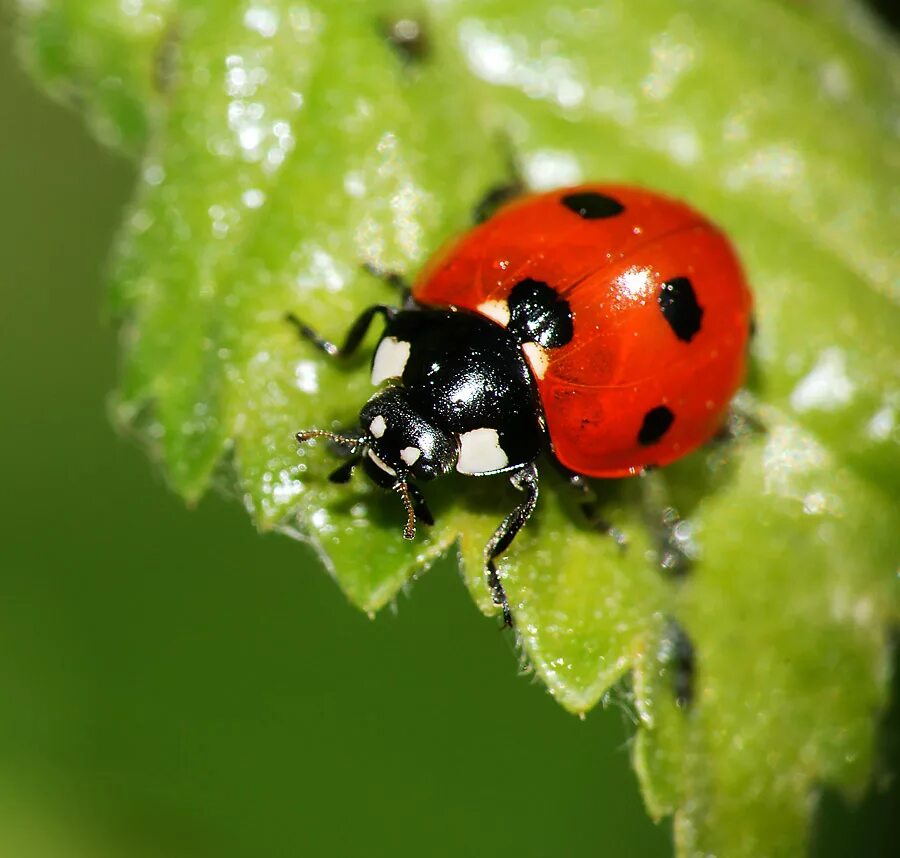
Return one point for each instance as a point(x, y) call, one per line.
point(666, 525)
point(741, 421)
point(526, 480)
point(678, 656)
point(588, 504)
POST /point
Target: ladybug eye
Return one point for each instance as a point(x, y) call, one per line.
point(424, 471)
point(420, 466)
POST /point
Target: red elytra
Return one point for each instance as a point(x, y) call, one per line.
point(660, 309)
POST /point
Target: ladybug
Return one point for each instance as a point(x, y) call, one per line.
point(603, 324)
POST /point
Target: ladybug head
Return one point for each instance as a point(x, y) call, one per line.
point(397, 445)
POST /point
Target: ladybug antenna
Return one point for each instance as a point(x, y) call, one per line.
point(352, 443)
point(409, 532)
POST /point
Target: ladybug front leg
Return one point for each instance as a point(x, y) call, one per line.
point(495, 198)
point(500, 194)
point(526, 480)
point(355, 334)
point(393, 279)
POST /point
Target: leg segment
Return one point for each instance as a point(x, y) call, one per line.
point(407, 37)
point(354, 336)
point(526, 480)
point(392, 279)
point(501, 193)
point(678, 655)
point(664, 521)
point(342, 474)
point(588, 506)
point(423, 513)
point(495, 198)
point(742, 421)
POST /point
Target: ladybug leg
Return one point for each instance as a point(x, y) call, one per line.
point(407, 37)
point(677, 653)
point(393, 279)
point(667, 527)
point(588, 505)
point(354, 336)
point(500, 194)
point(526, 480)
point(423, 513)
point(342, 474)
point(495, 198)
point(741, 421)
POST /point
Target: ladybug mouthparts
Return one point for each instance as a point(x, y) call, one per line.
point(397, 445)
point(413, 501)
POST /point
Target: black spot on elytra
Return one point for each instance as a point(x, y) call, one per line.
point(656, 423)
point(680, 308)
point(592, 206)
point(538, 315)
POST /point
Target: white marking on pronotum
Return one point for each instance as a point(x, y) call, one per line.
point(390, 359)
point(480, 452)
point(537, 357)
point(410, 455)
point(383, 465)
point(377, 426)
point(496, 310)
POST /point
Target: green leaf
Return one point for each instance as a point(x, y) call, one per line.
point(110, 59)
point(284, 145)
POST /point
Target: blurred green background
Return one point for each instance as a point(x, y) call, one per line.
point(173, 684)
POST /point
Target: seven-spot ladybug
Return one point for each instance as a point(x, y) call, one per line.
point(605, 321)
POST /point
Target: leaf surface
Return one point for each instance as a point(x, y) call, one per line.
point(283, 145)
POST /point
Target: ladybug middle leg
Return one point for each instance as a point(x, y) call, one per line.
point(526, 480)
